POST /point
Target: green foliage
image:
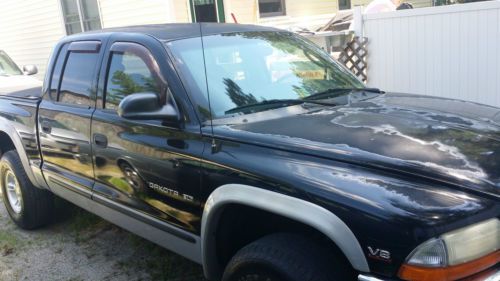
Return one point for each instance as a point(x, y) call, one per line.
point(237, 95)
point(8, 242)
point(164, 265)
point(124, 85)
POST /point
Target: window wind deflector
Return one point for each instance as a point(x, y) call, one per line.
point(85, 46)
point(270, 104)
point(335, 92)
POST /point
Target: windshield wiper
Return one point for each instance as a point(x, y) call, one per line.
point(335, 92)
point(276, 103)
point(271, 104)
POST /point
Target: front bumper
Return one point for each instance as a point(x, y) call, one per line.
point(491, 274)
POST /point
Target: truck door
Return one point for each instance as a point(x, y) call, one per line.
point(144, 166)
point(64, 118)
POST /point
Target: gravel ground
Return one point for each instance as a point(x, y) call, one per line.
point(81, 246)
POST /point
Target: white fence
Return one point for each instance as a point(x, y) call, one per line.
point(449, 51)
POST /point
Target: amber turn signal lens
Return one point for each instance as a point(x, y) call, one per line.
point(420, 273)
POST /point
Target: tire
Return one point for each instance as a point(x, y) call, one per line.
point(33, 207)
point(285, 257)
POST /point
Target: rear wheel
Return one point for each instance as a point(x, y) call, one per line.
point(28, 206)
point(285, 257)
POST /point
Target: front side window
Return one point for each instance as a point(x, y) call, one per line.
point(80, 15)
point(129, 73)
point(76, 83)
point(271, 8)
point(7, 66)
point(251, 67)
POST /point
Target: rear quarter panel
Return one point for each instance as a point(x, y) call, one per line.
point(18, 121)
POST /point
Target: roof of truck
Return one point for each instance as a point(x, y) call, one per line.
point(173, 31)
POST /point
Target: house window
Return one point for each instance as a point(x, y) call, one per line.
point(344, 4)
point(80, 15)
point(271, 8)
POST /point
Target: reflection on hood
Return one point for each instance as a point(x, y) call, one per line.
point(397, 132)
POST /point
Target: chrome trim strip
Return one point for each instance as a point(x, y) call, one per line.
point(296, 209)
point(494, 277)
point(179, 233)
point(363, 277)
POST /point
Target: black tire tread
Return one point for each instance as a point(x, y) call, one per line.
point(291, 255)
point(37, 203)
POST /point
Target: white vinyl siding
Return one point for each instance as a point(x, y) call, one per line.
point(29, 29)
point(133, 12)
point(181, 11)
point(447, 51)
point(415, 3)
point(300, 8)
point(247, 11)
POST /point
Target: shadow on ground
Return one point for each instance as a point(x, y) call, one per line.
point(81, 246)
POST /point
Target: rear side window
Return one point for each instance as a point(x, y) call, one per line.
point(131, 71)
point(77, 78)
point(56, 76)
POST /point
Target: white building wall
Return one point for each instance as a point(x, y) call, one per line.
point(29, 29)
point(133, 12)
point(296, 11)
point(449, 51)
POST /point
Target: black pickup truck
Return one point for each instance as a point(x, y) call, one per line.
point(249, 150)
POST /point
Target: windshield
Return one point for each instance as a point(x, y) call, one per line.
point(252, 67)
point(7, 66)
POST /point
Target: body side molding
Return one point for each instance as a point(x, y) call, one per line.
point(109, 211)
point(299, 210)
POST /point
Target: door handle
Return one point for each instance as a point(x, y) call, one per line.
point(100, 140)
point(46, 127)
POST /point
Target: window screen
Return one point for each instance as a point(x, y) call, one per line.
point(80, 15)
point(271, 8)
point(90, 15)
point(128, 74)
point(76, 84)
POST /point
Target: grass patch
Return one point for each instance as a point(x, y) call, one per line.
point(83, 224)
point(85, 221)
point(8, 239)
point(162, 264)
point(8, 243)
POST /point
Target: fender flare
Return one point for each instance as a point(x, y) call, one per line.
point(16, 140)
point(293, 208)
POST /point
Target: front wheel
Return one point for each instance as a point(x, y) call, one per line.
point(284, 257)
point(28, 206)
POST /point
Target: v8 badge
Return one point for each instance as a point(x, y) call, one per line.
point(379, 254)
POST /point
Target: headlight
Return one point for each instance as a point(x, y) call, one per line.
point(456, 254)
point(472, 242)
point(432, 253)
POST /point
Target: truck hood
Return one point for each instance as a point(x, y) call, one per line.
point(451, 141)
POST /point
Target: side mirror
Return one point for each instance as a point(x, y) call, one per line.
point(146, 106)
point(30, 69)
